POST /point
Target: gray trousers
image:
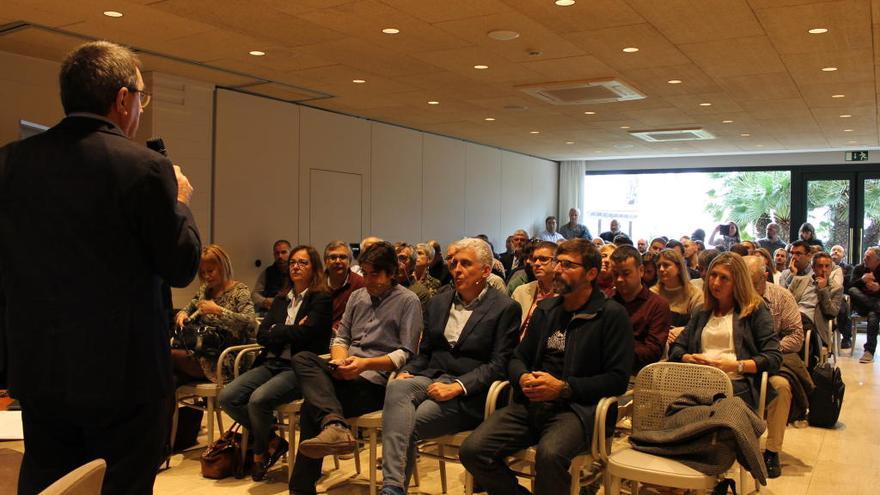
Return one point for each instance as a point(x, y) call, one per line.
point(409, 416)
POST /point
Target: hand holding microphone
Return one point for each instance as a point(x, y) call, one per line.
point(184, 188)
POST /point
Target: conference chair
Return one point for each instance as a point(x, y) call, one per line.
point(87, 479)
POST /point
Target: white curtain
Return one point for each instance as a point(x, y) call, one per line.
point(571, 188)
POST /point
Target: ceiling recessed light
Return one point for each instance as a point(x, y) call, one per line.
point(818, 30)
point(674, 81)
point(481, 67)
point(845, 116)
point(503, 35)
point(705, 104)
point(852, 142)
point(745, 134)
point(257, 53)
point(489, 119)
point(726, 121)
point(829, 69)
point(847, 130)
point(838, 96)
point(624, 127)
point(432, 102)
point(564, 3)
point(391, 30)
point(534, 132)
point(630, 49)
point(358, 81)
point(589, 113)
point(569, 142)
point(113, 13)
point(759, 146)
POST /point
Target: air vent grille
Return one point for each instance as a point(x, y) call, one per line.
point(582, 92)
point(668, 135)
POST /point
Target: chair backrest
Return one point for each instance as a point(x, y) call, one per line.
point(658, 384)
point(84, 480)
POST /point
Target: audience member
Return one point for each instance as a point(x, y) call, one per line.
point(609, 235)
point(698, 235)
point(674, 286)
point(494, 281)
point(772, 277)
point(649, 267)
point(622, 239)
point(771, 242)
point(555, 395)
point(605, 279)
point(790, 332)
point(550, 234)
point(530, 294)
point(513, 259)
point(680, 247)
point(642, 246)
point(598, 242)
point(657, 244)
point(691, 251)
point(648, 313)
point(469, 335)
point(864, 292)
point(424, 253)
point(222, 303)
point(729, 236)
point(523, 274)
point(750, 247)
point(437, 268)
point(798, 279)
point(299, 321)
point(574, 230)
point(808, 235)
point(780, 260)
point(704, 259)
point(379, 332)
point(739, 248)
point(341, 280)
point(829, 294)
point(85, 339)
point(844, 322)
point(271, 280)
point(366, 242)
point(406, 265)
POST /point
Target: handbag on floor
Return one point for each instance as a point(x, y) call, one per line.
point(223, 457)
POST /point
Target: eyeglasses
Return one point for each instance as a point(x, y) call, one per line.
point(300, 263)
point(403, 258)
point(793, 253)
point(542, 259)
point(143, 95)
point(336, 257)
point(568, 265)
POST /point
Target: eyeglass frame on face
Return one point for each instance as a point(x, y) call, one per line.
point(335, 257)
point(144, 96)
point(567, 264)
point(299, 263)
point(543, 260)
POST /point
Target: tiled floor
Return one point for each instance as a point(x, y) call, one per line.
point(816, 461)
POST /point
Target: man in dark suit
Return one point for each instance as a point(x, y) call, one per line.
point(579, 349)
point(511, 259)
point(469, 335)
point(92, 225)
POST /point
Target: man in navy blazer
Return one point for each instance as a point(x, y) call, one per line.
point(468, 338)
point(92, 228)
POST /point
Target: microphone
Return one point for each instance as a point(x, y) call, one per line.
point(157, 145)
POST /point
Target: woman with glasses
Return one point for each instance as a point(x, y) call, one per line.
point(299, 321)
point(528, 295)
point(733, 331)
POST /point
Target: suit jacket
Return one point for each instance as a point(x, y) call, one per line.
point(482, 351)
point(313, 335)
point(90, 230)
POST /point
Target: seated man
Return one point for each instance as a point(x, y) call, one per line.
point(649, 313)
point(470, 333)
point(798, 279)
point(406, 265)
point(609, 235)
point(844, 322)
point(530, 294)
point(366, 242)
point(341, 280)
point(379, 332)
point(829, 294)
point(494, 281)
point(864, 292)
point(787, 323)
point(574, 230)
point(437, 268)
point(513, 258)
point(771, 242)
point(550, 234)
point(272, 279)
point(579, 349)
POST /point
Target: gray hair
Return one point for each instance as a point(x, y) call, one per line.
point(480, 247)
point(875, 250)
point(425, 249)
point(337, 244)
point(92, 75)
point(577, 210)
point(521, 231)
point(369, 241)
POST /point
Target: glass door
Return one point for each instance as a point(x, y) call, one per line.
point(829, 211)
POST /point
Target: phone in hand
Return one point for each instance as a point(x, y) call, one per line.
point(724, 229)
point(332, 365)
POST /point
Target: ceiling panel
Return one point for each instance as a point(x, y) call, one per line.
point(462, 61)
point(608, 45)
point(848, 23)
point(768, 86)
point(566, 69)
point(448, 10)
point(739, 57)
point(655, 80)
point(692, 21)
point(594, 14)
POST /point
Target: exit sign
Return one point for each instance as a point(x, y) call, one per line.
point(856, 156)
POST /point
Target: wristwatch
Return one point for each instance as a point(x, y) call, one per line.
point(565, 393)
point(740, 367)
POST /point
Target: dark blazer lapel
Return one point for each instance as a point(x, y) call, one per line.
point(475, 317)
point(442, 318)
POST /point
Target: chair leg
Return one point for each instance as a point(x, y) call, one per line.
point(373, 434)
point(245, 434)
point(575, 472)
point(219, 413)
point(442, 454)
point(468, 484)
point(291, 445)
point(417, 481)
point(210, 421)
point(173, 426)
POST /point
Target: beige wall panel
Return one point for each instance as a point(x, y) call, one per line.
point(30, 92)
point(340, 217)
point(443, 188)
point(516, 195)
point(256, 179)
point(482, 213)
point(396, 184)
point(336, 143)
point(545, 175)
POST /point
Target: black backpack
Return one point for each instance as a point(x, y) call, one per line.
point(827, 399)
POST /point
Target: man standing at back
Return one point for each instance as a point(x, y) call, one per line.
point(85, 323)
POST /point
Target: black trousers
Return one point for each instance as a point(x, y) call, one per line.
point(59, 438)
point(326, 400)
point(869, 307)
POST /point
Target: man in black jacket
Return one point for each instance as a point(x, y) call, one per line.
point(86, 326)
point(578, 350)
point(864, 290)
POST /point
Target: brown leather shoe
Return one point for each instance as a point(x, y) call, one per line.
point(334, 439)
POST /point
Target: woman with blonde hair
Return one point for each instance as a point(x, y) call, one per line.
point(674, 285)
point(733, 331)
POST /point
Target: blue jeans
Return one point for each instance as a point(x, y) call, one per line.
point(409, 416)
point(251, 398)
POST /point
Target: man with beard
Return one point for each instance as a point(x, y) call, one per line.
point(272, 279)
point(555, 395)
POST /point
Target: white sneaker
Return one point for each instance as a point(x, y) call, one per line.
point(867, 357)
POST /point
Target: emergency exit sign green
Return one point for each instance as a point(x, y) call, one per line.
point(856, 156)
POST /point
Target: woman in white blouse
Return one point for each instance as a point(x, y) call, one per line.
point(733, 331)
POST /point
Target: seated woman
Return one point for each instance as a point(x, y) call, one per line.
point(808, 234)
point(530, 294)
point(674, 285)
point(222, 303)
point(733, 331)
point(300, 321)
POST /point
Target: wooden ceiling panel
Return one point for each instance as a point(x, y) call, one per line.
point(298, 6)
point(594, 14)
point(365, 20)
point(819, 95)
point(770, 86)
point(692, 21)
point(661, 118)
point(852, 66)
point(277, 59)
point(279, 91)
point(721, 103)
point(739, 57)
point(370, 58)
point(52, 13)
point(608, 45)
point(448, 10)
point(212, 45)
point(532, 36)
point(159, 64)
point(565, 69)
point(848, 23)
point(774, 109)
point(448, 83)
point(38, 44)
point(653, 81)
point(462, 62)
